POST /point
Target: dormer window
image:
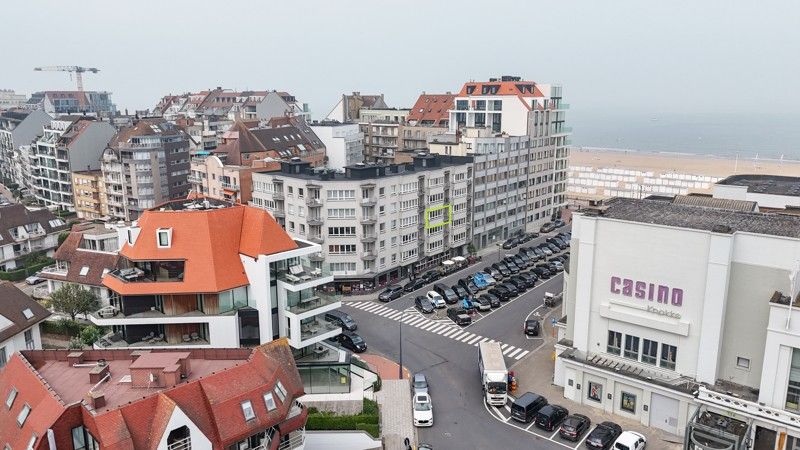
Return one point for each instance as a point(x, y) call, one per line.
point(23, 415)
point(164, 237)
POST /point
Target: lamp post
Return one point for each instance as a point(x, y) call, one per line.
point(402, 317)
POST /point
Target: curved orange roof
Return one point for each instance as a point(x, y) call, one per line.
point(210, 242)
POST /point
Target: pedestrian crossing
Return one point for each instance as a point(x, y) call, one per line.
point(444, 327)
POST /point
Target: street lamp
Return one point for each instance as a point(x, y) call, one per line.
point(402, 317)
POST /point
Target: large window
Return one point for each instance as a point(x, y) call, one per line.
point(614, 342)
point(342, 249)
point(668, 355)
point(341, 194)
point(233, 299)
point(793, 390)
point(83, 440)
point(341, 231)
point(341, 213)
point(631, 347)
point(649, 351)
point(248, 411)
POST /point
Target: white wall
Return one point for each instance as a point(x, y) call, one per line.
point(178, 419)
point(17, 342)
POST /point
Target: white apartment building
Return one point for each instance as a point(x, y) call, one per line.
point(69, 143)
point(20, 316)
point(18, 129)
point(680, 313)
point(344, 143)
point(25, 231)
point(377, 223)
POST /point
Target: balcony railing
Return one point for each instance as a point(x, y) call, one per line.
point(194, 179)
point(315, 238)
point(369, 255)
point(317, 327)
point(55, 270)
point(230, 186)
point(315, 220)
point(313, 202)
point(302, 273)
point(368, 201)
point(182, 444)
point(296, 440)
point(368, 219)
point(318, 300)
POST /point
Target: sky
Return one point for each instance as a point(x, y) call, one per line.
point(714, 56)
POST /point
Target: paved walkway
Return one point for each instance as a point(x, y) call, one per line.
point(394, 399)
point(535, 374)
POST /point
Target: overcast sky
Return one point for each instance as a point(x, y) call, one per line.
point(637, 56)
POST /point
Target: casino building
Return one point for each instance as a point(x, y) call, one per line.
point(683, 313)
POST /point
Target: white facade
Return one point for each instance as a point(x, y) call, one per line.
point(655, 309)
point(344, 143)
point(28, 339)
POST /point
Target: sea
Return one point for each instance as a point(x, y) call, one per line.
point(757, 135)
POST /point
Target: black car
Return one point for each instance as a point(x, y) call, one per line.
point(447, 293)
point(522, 282)
point(510, 243)
point(527, 260)
point(423, 304)
point(494, 300)
point(501, 292)
point(519, 283)
point(553, 247)
point(352, 342)
point(550, 417)
point(512, 288)
point(469, 285)
point(413, 285)
point(541, 272)
point(603, 436)
point(530, 278)
point(574, 426)
point(519, 262)
point(502, 269)
point(538, 251)
point(493, 272)
point(392, 292)
point(548, 227)
point(531, 327)
point(459, 316)
point(559, 223)
point(511, 265)
point(558, 243)
point(460, 291)
point(431, 276)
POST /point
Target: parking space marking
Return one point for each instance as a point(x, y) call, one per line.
point(553, 435)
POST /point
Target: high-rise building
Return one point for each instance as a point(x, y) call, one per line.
point(18, 129)
point(144, 165)
point(67, 144)
point(344, 143)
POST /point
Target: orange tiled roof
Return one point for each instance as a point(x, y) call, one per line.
point(518, 88)
point(209, 241)
point(432, 108)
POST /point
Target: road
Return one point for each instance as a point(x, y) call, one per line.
point(448, 355)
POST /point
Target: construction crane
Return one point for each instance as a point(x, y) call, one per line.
point(78, 70)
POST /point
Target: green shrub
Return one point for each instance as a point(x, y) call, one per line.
point(62, 326)
point(368, 420)
point(90, 335)
point(374, 430)
point(370, 407)
point(24, 272)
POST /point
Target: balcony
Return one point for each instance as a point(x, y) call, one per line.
point(299, 272)
point(278, 195)
point(181, 444)
point(194, 179)
point(316, 257)
point(151, 271)
point(278, 212)
point(313, 202)
point(368, 220)
point(369, 201)
point(55, 269)
point(315, 238)
point(317, 327)
point(369, 237)
point(230, 186)
point(314, 221)
point(156, 335)
point(317, 300)
point(369, 255)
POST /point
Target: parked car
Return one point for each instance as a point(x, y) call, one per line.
point(413, 285)
point(541, 272)
point(559, 267)
point(539, 252)
point(548, 227)
point(469, 285)
point(392, 292)
point(501, 292)
point(550, 417)
point(468, 305)
point(352, 342)
point(545, 249)
point(483, 303)
point(523, 256)
point(519, 262)
point(530, 278)
point(483, 280)
point(34, 279)
point(494, 273)
point(494, 300)
point(510, 243)
point(603, 435)
point(531, 327)
point(512, 267)
point(519, 283)
point(526, 406)
point(423, 410)
point(558, 223)
point(436, 299)
point(502, 269)
point(511, 288)
point(448, 293)
point(574, 426)
point(420, 384)
point(460, 291)
point(424, 305)
point(553, 247)
point(522, 282)
point(630, 440)
point(431, 276)
point(342, 319)
point(459, 316)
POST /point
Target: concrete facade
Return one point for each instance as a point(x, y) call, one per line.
point(344, 143)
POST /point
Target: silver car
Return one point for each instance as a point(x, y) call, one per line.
point(420, 384)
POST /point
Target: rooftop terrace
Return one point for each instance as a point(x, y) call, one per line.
point(765, 184)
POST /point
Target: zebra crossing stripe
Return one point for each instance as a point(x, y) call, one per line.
point(474, 339)
point(448, 333)
point(441, 329)
point(468, 337)
point(458, 336)
point(429, 325)
point(511, 355)
point(503, 347)
point(521, 355)
point(371, 307)
point(508, 350)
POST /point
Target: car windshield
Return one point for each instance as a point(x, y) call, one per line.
point(497, 388)
point(621, 446)
point(422, 406)
point(356, 339)
point(420, 383)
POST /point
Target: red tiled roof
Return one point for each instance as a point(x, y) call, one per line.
point(209, 241)
point(432, 109)
point(520, 88)
point(78, 258)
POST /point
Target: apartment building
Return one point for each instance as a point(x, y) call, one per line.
point(87, 255)
point(698, 335)
point(18, 129)
point(344, 143)
point(377, 222)
point(24, 231)
point(211, 274)
point(10, 99)
point(211, 177)
point(348, 109)
point(229, 105)
point(88, 189)
point(20, 316)
point(173, 400)
point(144, 165)
point(67, 144)
point(58, 103)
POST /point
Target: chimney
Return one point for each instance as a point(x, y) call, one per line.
point(75, 358)
point(97, 400)
point(137, 353)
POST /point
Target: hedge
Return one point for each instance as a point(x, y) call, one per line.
point(368, 420)
point(25, 272)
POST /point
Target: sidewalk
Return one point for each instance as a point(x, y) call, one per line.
point(394, 400)
point(386, 368)
point(535, 374)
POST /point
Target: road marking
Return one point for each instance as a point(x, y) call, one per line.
point(468, 337)
point(448, 333)
point(585, 435)
point(503, 347)
point(553, 435)
point(511, 355)
point(522, 355)
point(474, 340)
point(508, 350)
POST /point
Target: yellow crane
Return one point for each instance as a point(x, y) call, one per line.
point(78, 70)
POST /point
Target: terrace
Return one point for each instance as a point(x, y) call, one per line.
point(150, 271)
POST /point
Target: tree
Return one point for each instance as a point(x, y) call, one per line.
point(90, 335)
point(72, 299)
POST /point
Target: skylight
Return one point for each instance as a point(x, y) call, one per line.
point(280, 391)
point(27, 313)
point(269, 401)
point(84, 271)
point(12, 395)
point(247, 410)
point(23, 415)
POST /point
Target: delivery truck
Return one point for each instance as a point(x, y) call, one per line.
point(494, 375)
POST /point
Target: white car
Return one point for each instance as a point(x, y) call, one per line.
point(630, 440)
point(423, 410)
point(436, 299)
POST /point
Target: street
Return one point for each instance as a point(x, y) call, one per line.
point(448, 355)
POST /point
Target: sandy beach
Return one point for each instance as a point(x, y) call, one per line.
point(680, 163)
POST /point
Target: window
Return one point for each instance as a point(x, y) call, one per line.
point(628, 402)
point(23, 415)
point(668, 353)
point(614, 342)
point(83, 440)
point(27, 313)
point(631, 347)
point(649, 351)
point(280, 391)
point(342, 231)
point(164, 236)
point(743, 363)
point(341, 213)
point(29, 339)
point(247, 408)
point(595, 392)
point(269, 401)
point(342, 249)
point(3, 358)
point(84, 271)
point(341, 194)
point(346, 267)
point(12, 395)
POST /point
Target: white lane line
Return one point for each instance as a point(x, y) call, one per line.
point(511, 355)
point(428, 325)
point(585, 435)
point(522, 355)
point(418, 320)
point(553, 435)
point(438, 328)
point(457, 335)
point(371, 307)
